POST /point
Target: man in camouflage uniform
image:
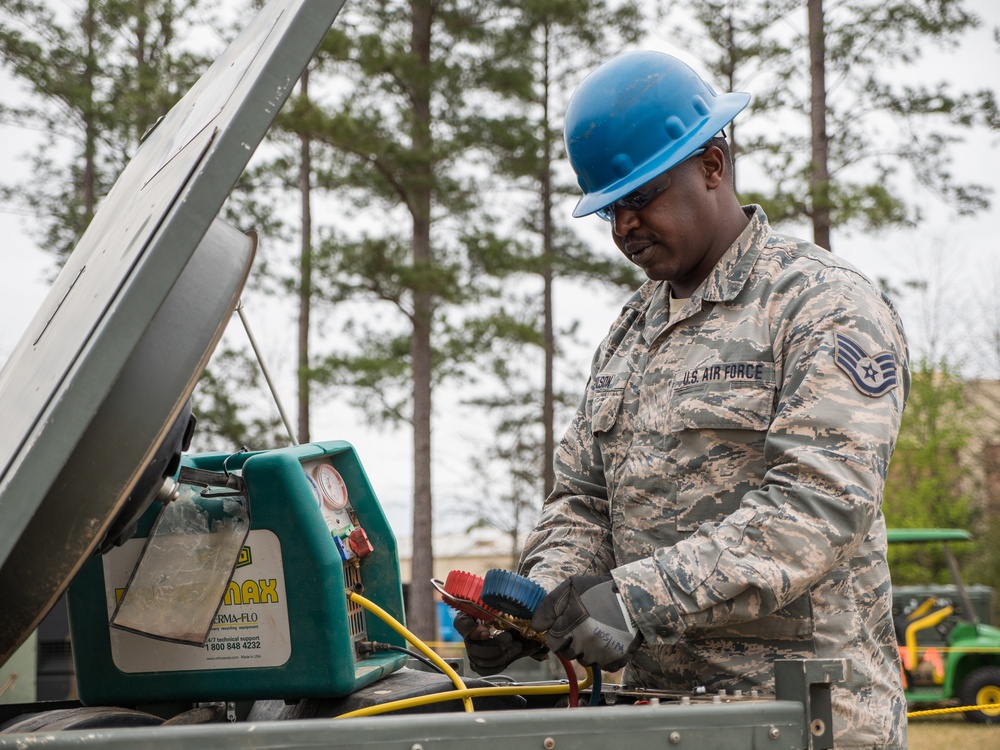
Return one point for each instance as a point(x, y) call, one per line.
point(718, 494)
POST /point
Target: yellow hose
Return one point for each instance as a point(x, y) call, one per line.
point(393, 623)
point(467, 693)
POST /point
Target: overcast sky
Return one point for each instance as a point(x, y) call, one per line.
point(959, 252)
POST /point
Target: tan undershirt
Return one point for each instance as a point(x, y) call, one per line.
point(675, 304)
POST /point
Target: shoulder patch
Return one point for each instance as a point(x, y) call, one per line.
point(872, 374)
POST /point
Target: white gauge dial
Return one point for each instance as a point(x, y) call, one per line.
point(332, 487)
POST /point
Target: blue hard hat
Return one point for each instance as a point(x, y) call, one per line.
point(635, 117)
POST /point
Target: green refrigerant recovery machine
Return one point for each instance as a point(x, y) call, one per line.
point(285, 628)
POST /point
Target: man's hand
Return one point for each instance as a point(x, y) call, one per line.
point(490, 654)
point(583, 619)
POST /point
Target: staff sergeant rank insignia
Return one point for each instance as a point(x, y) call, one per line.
point(872, 374)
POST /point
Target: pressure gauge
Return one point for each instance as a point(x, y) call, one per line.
point(331, 486)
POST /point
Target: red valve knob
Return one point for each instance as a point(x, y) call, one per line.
point(461, 589)
point(359, 543)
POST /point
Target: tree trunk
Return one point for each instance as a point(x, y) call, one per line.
point(421, 617)
point(729, 70)
point(305, 272)
point(88, 187)
point(144, 116)
point(548, 254)
point(819, 177)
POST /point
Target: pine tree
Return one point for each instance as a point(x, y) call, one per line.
point(742, 46)
point(405, 232)
point(99, 73)
point(852, 47)
point(543, 50)
point(98, 78)
point(868, 135)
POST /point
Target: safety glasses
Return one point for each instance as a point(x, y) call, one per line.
point(641, 196)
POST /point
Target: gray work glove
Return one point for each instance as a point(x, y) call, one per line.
point(493, 653)
point(583, 619)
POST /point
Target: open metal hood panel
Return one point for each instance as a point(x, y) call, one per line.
point(110, 359)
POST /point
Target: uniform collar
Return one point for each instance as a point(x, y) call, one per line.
point(732, 271)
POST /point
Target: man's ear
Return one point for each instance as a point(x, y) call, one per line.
point(713, 167)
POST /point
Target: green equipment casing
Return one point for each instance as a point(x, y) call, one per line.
point(286, 629)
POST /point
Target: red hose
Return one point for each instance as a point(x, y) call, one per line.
point(574, 688)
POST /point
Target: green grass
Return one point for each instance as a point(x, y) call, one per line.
point(952, 733)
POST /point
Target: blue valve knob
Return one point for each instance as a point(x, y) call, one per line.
point(510, 593)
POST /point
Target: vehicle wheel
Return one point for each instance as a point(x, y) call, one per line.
point(84, 717)
point(980, 687)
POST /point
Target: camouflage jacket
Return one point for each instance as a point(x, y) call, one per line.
point(727, 466)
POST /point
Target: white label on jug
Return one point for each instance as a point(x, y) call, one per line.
point(250, 629)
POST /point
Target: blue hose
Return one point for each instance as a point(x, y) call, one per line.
point(595, 689)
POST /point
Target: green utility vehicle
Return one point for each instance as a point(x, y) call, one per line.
point(948, 640)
